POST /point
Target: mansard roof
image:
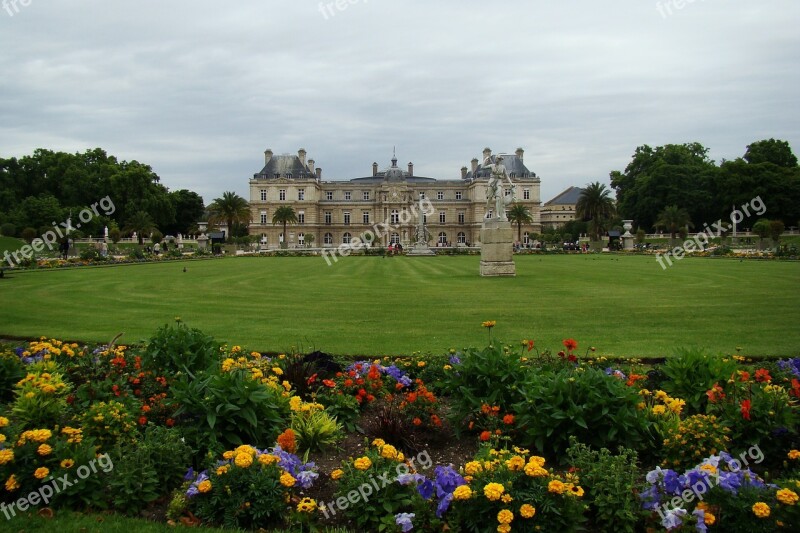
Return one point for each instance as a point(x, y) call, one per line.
point(285, 165)
point(513, 163)
point(568, 197)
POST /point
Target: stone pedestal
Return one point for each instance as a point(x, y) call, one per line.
point(496, 249)
point(202, 242)
point(420, 248)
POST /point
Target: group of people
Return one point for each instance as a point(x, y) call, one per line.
point(395, 249)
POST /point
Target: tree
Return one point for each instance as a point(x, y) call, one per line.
point(189, 209)
point(284, 215)
point(309, 239)
point(519, 214)
point(115, 235)
point(673, 218)
point(231, 208)
point(776, 228)
point(762, 229)
point(771, 151)
point(140, 223)
point(595, 206)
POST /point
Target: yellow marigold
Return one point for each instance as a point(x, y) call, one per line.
point(307, 505)
point(709, 518)
point(41, 472)
point(472, 468)
point(761, 509)
point(287, 480)
point(336, 474)
point(388, 452)
point(243, 460)
point(661, 395)
point(378, 443)
point(362, 463)
point(556, 487)
point(267, 459)
point(516, 463)
point(44, 449)
point(505, 516)
point(489, 324)
point(204, 486)
point(400, 457)
point(2, 438)
point(506, 498)
point(536, 460)
point(245, 448)
point(462, 492)
point(527, 511)
point(222, 470)
point(277, 371)
point(67, 463)
point(532, 470)
point(787, 496)
point(6, 456)
point(228, 455)
point(11, 483)
point(676, 405)
point(295, 402)
point(3, 421)
point(493, 491)
point(503, 528)
point(794, 454)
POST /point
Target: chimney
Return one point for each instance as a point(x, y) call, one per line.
point(319, 173)
point(410, 169)
point(301, 153)
point(487, 153)
point(520, 152)
point(463, 173)
point(311, 165)
point(267, 156)
point(474, 166)
point(374, 169)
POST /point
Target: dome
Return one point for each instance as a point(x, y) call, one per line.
point(394, 173)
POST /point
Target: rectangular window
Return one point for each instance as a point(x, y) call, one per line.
point(365, 195)
point(365, 217)
point(442, 217)
point(458, 195)
point(301, 194)
point(328, 218)
point(422, 195)
point(263, 195)
point(301, 217)
point(329, 195)
point(526, 194)
point(347, 218)
point(461, 217)
point(282, 195)
point(440, 195)
point(395, 216)
point(347, 195)
point(263, 219)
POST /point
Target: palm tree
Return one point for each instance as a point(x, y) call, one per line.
point(231, 208)
point(596, 206)
point(140, 223)
point(673, 219)
point(520, 215)
point(284, 215)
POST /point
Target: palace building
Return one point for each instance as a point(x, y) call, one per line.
point(331, 213)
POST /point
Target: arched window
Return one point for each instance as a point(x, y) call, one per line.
point(346, 238)
point(395, 239)
point(442, 238)
point(328, 238)
point(462, 237)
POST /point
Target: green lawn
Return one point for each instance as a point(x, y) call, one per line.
point(623, 305)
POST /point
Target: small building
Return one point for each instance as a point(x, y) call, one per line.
point(561, 209)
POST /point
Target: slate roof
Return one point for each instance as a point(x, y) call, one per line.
point(284, 165)
point(568, 197)
point(514, 165)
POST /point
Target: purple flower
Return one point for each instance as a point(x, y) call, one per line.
point(306, 478)
point(443, 505)
point(190, 474)
point(408, 479)
point(672, 518)
point(426, 489)
point(455, 360)
point(701, 520)
point(650, 498)
point(404, 521)
point(447, 479)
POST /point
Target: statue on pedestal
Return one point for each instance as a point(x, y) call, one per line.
point(495, 190)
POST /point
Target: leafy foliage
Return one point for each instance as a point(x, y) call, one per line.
point(692, 372)
point(178, 348)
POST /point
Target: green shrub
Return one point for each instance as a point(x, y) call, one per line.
point(177, 348)
point(692, 372)
point(41, 397)
point(223, 409)
point(8, 229)
point(599, 410)
point(11, 372)
point(610, 481)
point(315, 430)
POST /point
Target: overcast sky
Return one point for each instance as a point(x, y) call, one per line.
point(199, 89)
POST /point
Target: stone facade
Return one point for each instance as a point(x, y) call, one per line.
point(561, 209)
point(335, 212)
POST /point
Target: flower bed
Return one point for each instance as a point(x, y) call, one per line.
point(566, 441)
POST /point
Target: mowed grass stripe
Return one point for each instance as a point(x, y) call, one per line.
point(373, 305)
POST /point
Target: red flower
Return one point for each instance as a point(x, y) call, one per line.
point(417, 421)
point(561, 354)
point(348, 383)
point(762, 375)
point(485, 436)
point(746, 409)
point(570, 344)
point(436, 420)
point(170, 422)
point(795, 388)
point(530, 345)
point(328, 383)
point(311, 380)
point(715, 394)
point(571, 358)
point(744, 376)
point(370, 398)
point(142, 420)
point(508, 419)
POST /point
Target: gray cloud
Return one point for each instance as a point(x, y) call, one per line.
point(199, 89)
